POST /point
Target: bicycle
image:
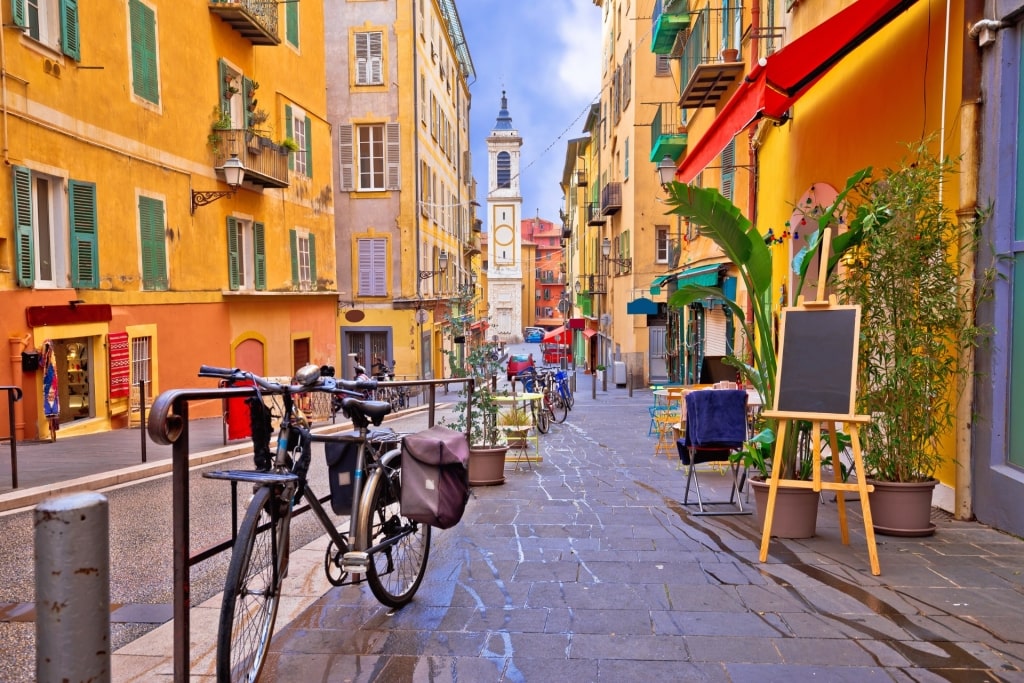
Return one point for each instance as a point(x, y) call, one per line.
point(562, 383)
point(552, 409)
point(387, 550)
point(552, 400)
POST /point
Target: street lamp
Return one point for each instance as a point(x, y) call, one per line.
point(606, 250)
point(234, 174)
point(442, 262)
point(666, 171)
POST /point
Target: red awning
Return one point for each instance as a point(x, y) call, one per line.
point(589, 333)
point(777, 81)
point(559, 335)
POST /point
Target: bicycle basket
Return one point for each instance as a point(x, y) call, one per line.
point(435, 476)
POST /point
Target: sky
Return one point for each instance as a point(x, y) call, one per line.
point(546, 55)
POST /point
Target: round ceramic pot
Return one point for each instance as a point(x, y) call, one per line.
point(796, 510)
point(487, 465)
point(902, 509)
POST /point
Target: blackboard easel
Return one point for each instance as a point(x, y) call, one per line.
point(816, 382)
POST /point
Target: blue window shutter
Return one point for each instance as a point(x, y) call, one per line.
point(260, 253)
point(24, 235)
point(69, 38)
point(84, 249)
point(234, 280)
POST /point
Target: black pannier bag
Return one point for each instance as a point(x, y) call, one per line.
point(341, 466)
point(435, 476)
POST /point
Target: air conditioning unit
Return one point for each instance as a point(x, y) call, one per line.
point(619, 373)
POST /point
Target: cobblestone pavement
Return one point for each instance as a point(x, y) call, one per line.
point(588, 568)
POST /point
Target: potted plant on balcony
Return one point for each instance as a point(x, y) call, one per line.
point(720, 220)
point(486, 446)
point(911, 277)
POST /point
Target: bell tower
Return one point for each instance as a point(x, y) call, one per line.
point(504, 221)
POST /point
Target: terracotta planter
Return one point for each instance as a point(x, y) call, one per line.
point(487, 465)
point(902, 509)
point(730, 54)
point(796, 510)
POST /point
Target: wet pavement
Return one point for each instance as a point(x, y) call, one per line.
point(588, 568)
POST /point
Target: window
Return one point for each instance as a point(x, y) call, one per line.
point(299, 129)
point(728, 169)
point(247, 255)
point(53, 23)
point(663, 67)
point(625, 160)
point(372, 254)
point(291, 23)
point(145, 83)
point(369, 58)
point(51, 241)
point(661, 244)
point(504, 168)
point(153, 240)
point(370, 156)
point(141, 364)
point(303, 249)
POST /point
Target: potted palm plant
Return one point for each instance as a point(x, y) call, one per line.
point(476, 414)
point(721, 221)
point(910, 276)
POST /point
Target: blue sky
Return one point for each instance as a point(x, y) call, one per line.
point(546, 55)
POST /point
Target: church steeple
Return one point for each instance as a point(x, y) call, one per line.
point(504, 121)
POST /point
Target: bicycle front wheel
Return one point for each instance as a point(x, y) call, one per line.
point(396, 570)
point(543, 419)
point(558, 410)
point(253, 588)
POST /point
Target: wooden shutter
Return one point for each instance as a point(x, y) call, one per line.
point(234, 278)
point(289, 132)
point(372, 256)
point(728, 169)
point(222, 87)
point(143, 30)
point(346, 160)
point(23, 234)
point(362, 58)
point(154, 243)
point(259, 250)
point(18, 9)
point(394, 157)
point(84, 249)
point(375, 54)
point(249, 101)
point(293, 248)
point(312, 261)
point(291, 13)
point(69, 38)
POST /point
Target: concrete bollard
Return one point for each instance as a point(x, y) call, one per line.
point(72, 573)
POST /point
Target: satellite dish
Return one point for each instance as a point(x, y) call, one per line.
point(422, 316)
point(354, 316)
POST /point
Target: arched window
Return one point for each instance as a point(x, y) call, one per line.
point(504, 170)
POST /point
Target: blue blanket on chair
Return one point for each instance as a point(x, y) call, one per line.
point(716, 417)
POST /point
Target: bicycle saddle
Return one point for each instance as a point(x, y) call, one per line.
point(362, 413)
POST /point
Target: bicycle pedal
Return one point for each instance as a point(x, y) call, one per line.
point(355, 562)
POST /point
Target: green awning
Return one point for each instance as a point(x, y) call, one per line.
point(706, 276)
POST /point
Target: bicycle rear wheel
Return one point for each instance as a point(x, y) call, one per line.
point(568, 397)
point(395, 571)
point(558, 410)
point(253, 588)
point(543, 419)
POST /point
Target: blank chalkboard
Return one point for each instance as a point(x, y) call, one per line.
point(818, 360)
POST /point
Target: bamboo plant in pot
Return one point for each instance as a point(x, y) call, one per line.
point(476, 414)
point(911, 277)
point(720, 220)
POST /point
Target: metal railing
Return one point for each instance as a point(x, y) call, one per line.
point(14, 395)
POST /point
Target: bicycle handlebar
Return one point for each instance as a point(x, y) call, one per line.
point(316, 382)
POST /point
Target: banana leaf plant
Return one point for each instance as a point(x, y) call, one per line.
point(718, 219)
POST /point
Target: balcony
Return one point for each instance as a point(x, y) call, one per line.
point(594, 216)
point(471, 247)
point(255, 20)
point(666, 23)
point(266, 163)
point(611, 199)
point(593, 284)
point(668, 132)
point(709, 68)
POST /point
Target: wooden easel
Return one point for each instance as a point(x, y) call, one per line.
point(816, 382)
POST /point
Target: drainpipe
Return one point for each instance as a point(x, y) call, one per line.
point(970, 105)
point(18, 344)
point(418, 345)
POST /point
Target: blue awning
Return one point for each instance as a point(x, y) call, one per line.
point(641, 306)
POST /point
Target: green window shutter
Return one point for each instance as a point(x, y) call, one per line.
point(249, 100)
point(234, 280)
point(69, 38)
point(293, 243)
point(143, 30)
point(728, 169)
point(260, 253)
point(24, 235)
point(289, 131)
point(291, 15)
point(18, 11)
point(84, 249)
point(312, 260)
point(309, 147)
point(625, 171)
point(222, 84)
point(154, 243)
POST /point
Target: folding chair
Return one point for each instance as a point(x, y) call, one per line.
point(716, 427)
point(666, 418)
